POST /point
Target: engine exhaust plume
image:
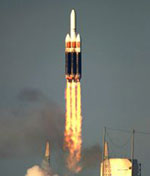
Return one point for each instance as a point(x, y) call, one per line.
point(73, 140)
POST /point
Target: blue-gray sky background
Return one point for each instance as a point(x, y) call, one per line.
point(116, 67)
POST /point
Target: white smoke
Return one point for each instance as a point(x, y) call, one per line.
point(38, 171)
point(35, 171)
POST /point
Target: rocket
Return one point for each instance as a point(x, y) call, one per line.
point(47, 153)
point(73, 52)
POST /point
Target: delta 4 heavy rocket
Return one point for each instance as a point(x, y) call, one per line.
point(73, 52)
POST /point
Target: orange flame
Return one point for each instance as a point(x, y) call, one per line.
point(73, 141)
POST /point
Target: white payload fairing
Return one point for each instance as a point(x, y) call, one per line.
point(73, 52)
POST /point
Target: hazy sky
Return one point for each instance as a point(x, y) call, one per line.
point(116, 65)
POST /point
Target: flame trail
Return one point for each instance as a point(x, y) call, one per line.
point(73, 141)
point(68, 115)
point(79, 121)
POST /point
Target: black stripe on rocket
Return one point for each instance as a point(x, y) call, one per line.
point(73, 66)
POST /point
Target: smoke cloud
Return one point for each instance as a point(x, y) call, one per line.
point(44, 170)
point(25, 128)
point(91, 157)
point(31, 95)
point(38, 171)
point(35, 171)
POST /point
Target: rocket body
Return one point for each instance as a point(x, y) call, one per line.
point(73, 68)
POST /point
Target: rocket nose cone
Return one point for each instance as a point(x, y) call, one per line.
point(67, 39)
point(73, 12)
point(73, 16)
point(73, 24)
point(78, 38)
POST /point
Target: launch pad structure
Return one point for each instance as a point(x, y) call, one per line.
point(119, 166)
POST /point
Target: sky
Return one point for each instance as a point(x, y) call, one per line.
point(115, 81)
